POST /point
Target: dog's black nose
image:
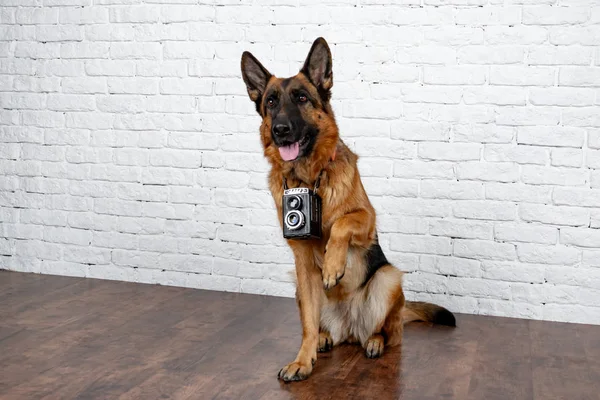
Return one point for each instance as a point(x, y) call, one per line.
point(281, 129)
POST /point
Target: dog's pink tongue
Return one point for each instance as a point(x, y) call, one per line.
point(289, 153)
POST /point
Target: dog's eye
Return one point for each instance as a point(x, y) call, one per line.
point(302, 98)
point(270, 102)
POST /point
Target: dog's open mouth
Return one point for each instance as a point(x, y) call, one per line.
point(291, 151)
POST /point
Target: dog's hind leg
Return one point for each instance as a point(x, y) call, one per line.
point(393, 327)
point(374, 346)
point(382, 312)
point(325, 341)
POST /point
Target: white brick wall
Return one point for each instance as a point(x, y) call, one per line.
point(129, 149)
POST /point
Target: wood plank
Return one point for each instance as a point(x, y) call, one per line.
point(561, 369)
point(502, 367)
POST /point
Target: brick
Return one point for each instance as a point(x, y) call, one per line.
point(419, 94)
point(595, 179)
point(559, 55)
point(87, 255)
point(421, 244)
point(110, 68)
point(37, 50)
point(566, 157)
point(183, 50)
point(395, 224)
point(511, 35)
point(69, 102)
point(528, 116)
point(559, 255)
point(580, 237)
point(194, 13)
point(16, 32)
point(453, 35)
point(593, 159)
point(41, 85)
point(84, 50)
point(484, 249)
point(594, 138)
point(121, 103)
point(449, 151)
point(58, 33)
point(460, 75)
point(552, 15)
point(436, 189)
point(87, 85)
point(458, 228)
point(28, 101)
point(38, 249)
point(110, 32)
point(574, 35)
point(136, 14)
point(494, 95)
point(587, 116)
point(166, 175)
point(526, 233)
point(579, 76)
point(522, 76)
point(422, 169)
point(487, 54)
point(83, 15)
point(567, 97)
point(480, 133)
point(513, 271)
point(554, 215)
point(509, 15)
point(36, 15)
point(191, 86)
point(551, 136)
point(536, 175)
point(413, 207)
point(419, 131)
point(576, 197)
point(515, 153)
point(385, 109)
point(426, 54)
point(90, 220)
point(498, 172)
point(486, 210)
point(64, 68)
point(137, 51)
point(375, 167)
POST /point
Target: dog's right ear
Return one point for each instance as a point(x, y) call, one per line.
point(255, 76)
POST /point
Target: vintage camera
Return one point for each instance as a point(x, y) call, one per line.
point(301, 214)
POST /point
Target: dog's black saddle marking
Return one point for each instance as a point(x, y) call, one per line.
point(375, 260)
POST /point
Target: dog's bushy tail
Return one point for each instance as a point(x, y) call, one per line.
point(421, 311)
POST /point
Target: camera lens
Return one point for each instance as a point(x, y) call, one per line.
point(294, 220)
point(294, 202)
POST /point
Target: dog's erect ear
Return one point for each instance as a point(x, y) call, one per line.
point(255, 76)
point(317, 66)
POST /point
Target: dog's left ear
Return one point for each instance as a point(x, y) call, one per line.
point(317, 66)
point(255, 77)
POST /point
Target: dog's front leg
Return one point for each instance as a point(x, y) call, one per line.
point(355, 228)
point(309, 294)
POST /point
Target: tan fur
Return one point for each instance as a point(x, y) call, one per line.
point(335, 303)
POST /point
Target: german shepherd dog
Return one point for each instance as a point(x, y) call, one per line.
point(347, 291)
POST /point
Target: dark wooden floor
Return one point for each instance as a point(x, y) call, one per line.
point(64, 338)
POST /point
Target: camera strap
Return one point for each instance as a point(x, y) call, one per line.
point(318, 181)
